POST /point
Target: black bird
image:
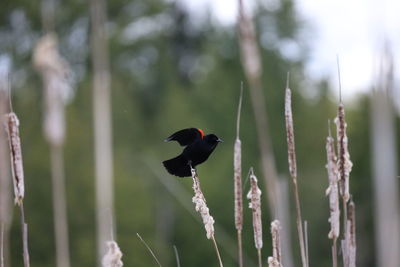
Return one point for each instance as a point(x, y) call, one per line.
point(198, 149)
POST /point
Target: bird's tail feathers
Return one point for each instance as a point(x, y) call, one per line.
point(178, 166)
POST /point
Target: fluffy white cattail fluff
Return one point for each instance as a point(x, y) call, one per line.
point(113, 256)
point(254, 196)
point(275, 260)
point(201, 206)
point(16, 157)
point(332, 190)
point(57, 86)
point(344, 163)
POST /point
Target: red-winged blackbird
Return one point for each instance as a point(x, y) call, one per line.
point(198, 149)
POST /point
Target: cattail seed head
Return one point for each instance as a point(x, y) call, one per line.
point(113, 256)
point(275, 260)
point(290, 134)
point(55, 73)
point(254, 196)
point(16, 157)
point(237, 165)
point(344, 163)
point(332, 190)
point(201, 206)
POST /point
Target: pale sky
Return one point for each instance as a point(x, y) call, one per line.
point(354, 30)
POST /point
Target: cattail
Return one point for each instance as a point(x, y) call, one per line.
point(18, 176)
point(57, 86)
point(254, 196)
point(238, 190)
point(113, 256)
point(238, 184)
point(332, 190)
point(276, 259)
point(293, 168)
point(16, 157)
point(344, 163)
point(201, 206)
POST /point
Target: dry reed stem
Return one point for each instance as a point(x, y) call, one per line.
point(149, 249)
point(238, 190)
point(113, 256)
point(254, 196)
point(276, 259)
point(201, 206)
point(16, 157)
point(178, 262)
point(293, 170)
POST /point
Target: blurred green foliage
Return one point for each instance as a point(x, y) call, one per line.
point(171, 72)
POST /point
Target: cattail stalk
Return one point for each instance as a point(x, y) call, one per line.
point(254, 196)
point(333, 193)
point(54, 71)
point(293, 169)
point(238, 190)
point(17, 171)
point(201, 206)
point(349, 242)
point(276, 259)
point(113, 256)
point(178, 262)
point(102, 126)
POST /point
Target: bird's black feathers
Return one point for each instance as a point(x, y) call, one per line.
point(186, 136)
point(198, 148)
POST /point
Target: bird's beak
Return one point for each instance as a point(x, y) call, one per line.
point(220, 140)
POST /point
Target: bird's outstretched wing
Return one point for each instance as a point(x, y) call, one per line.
point(186, 136)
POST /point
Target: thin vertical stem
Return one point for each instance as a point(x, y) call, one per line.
point(178, 262)
point(2, 245)
point(240, 247)
point(149, 249)
point(59, 206)
point(259, 258)
point(217, 251)
point(24, 230)
point(334, 253)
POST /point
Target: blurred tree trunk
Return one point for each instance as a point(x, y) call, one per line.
point(385, 171)
point(102, 124)
point(5, 181)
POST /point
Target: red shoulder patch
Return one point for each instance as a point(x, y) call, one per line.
point(201, 133)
